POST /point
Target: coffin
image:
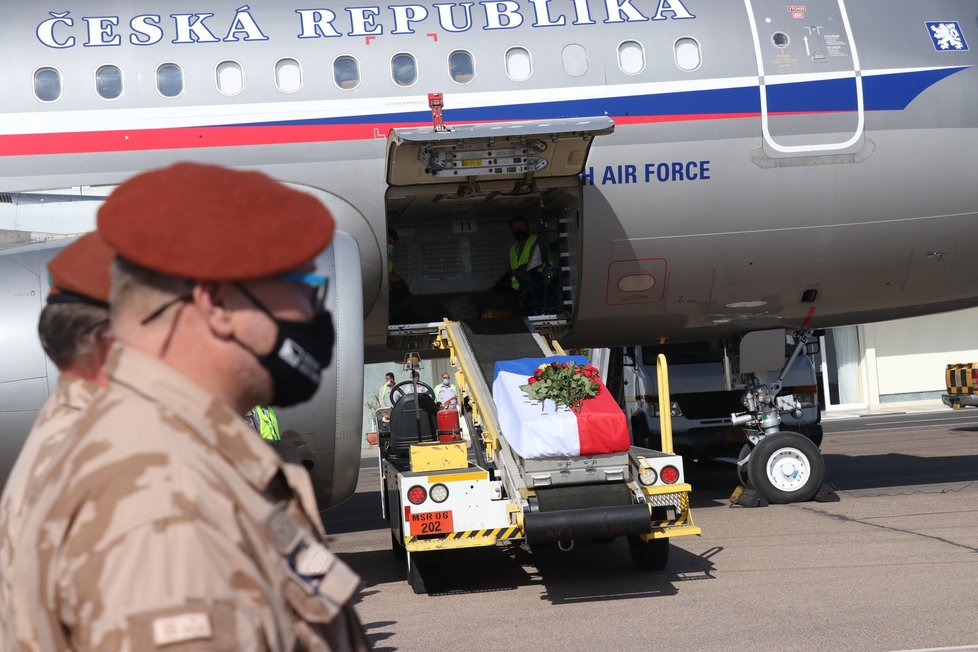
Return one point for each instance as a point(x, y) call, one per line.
point(537, 430)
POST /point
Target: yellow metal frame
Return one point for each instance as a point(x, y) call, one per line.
point(682, 525)
point(665, 405)
point(490, 436)
point(470, 539)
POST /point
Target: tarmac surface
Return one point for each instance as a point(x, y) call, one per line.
point(892, 566)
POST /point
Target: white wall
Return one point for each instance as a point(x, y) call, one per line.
point(911, 353)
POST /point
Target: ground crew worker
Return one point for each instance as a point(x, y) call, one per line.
point(264, 421)
point(528, 278)
point(447, 393)
point(75, 334)
point(384, 393)
point(165, 523)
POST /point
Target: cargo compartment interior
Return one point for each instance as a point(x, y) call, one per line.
point(453, 243)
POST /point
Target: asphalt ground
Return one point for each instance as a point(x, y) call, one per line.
point(892, 566)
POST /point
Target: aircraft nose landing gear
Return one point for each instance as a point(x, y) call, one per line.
point(782, 467)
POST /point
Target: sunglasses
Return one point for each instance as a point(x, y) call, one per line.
point(316, 282)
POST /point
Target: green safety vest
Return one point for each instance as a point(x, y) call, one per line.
point(519, 259)
point(267, 423)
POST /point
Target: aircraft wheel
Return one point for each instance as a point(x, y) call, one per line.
point(652, 555)
point(397, 547)
point(786, 468)
point(742, 472)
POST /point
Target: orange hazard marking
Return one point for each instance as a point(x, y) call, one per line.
point(431, 523)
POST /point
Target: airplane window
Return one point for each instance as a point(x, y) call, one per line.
point(404, 70)
point(288, 75)
point(230, 78)
point(688, 54)
point(575, 60)
point(631, 57)
point(108, 82)
point(47, 84)
point(169, 80)
point(346, 72)
point(518, 64)
point(461, 68)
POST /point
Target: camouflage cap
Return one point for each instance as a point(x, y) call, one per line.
point(212, 223)
point(82, 271)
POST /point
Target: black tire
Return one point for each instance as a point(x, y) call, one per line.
point(743, 473)
point(397, 547)
point(423, 571)
point(786, 468)
point(652, 555)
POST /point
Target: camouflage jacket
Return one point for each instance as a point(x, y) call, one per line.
point(27, 478)
point(166, 523)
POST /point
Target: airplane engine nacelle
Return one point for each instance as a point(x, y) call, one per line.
point(326, 431)
point(26, 375)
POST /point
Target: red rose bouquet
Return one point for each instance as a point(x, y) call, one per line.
point(564, 383)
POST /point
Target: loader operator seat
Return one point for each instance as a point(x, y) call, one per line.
point(414, 417)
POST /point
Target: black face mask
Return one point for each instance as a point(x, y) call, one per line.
point(302, 350)
point(521, 235)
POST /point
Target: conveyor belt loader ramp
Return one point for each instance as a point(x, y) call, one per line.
point(445, 495)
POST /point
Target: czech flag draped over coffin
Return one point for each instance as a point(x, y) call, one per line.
point(537, 431)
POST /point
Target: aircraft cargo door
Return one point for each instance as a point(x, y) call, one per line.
point(811, 87)
point(451, 196)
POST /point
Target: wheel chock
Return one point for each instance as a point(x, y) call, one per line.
point(747, 498)
point(825, 494)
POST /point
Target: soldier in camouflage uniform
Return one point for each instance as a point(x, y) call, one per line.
point(166, 523)
point(75, 334)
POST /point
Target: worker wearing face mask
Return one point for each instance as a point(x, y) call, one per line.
point(528, 278)
point(447, 393)
point(166, 523)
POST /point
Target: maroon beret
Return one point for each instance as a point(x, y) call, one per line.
point(211, 223)
point(83, 268)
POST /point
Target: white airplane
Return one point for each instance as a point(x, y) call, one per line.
point(700, 168)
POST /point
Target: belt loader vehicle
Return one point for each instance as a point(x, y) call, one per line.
point(438, 495)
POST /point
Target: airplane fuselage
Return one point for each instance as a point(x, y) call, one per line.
point(771, 165)
point(827, 146)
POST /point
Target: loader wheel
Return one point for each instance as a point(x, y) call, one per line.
point(423, 571)
point(650, 555)
point(786, 468)
point(397, 547)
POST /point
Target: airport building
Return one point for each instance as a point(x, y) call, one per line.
point(894, 361)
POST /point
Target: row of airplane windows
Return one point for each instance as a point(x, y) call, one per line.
point(346, 70)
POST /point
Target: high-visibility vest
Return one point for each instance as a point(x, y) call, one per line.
point(267, 423)
point(518, 259)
